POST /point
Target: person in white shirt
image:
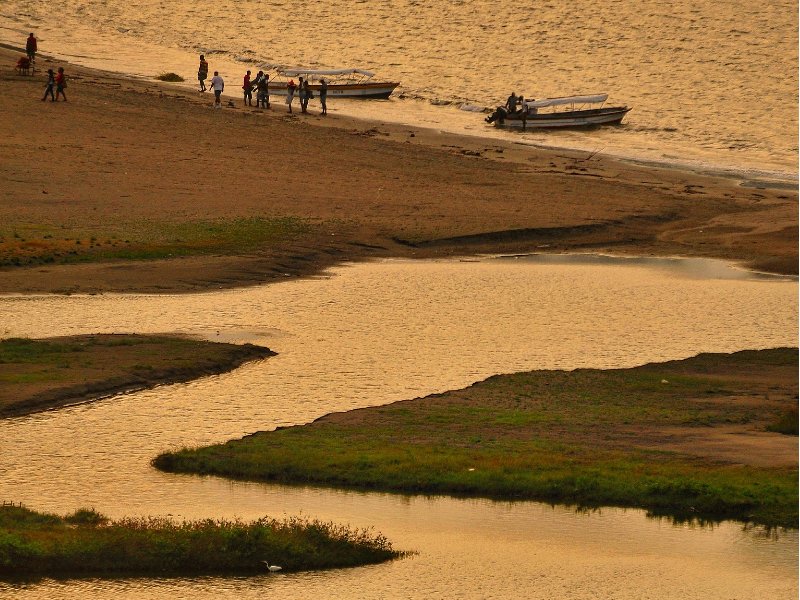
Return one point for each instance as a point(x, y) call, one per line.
point(217, 84)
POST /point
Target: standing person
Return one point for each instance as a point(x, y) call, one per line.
point(262, 87)
point(302, 91)
point(323, 95)
point(290, 87)
point(61, 84)
point(31, 46)
point(51, 83)
point(217, 84)
point(202, 73)
point(248, 90)
point(309, 93)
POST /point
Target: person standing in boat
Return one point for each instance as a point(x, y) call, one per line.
point(202, 73)
point(323, 95)
point(290, 88)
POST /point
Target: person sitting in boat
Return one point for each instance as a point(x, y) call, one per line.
point(511, 103)
point(498, 115)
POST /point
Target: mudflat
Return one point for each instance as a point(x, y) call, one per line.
point(128, 170)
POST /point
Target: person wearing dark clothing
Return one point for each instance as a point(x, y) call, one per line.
point(262, 90)
point(302, 92)
point(247, 86)
point(323, 95)
point(31, 47)
point(51, 83)
point(511, 103)
point(290, 88)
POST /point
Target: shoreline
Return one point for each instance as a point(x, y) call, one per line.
point(122, 156)
point(759, 175)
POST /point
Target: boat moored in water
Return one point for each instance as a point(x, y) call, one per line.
point(567, 111)
point(342, 83)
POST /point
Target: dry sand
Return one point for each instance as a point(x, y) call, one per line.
point(128, 151)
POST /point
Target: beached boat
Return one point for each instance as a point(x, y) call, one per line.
point(569, 111)
point(342, 83)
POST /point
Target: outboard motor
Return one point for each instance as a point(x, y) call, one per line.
point(498, 115)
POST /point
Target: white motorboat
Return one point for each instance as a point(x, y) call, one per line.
point(342, 83)
point(568, 111)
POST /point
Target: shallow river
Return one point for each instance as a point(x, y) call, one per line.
point(375, 333)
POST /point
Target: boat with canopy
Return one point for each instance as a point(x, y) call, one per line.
point(566, 111)
point(342, 83)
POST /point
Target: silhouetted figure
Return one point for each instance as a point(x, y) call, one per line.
point(323, 95)
point(51, 84)
point(248, 90)
point(31, 47)
point(61, 84)
point(202, 73)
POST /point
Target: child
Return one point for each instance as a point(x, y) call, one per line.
point(61, 84)
point(51, 83)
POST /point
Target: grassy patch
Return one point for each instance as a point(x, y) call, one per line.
point(38, 374)
point(785, 424)
point(85, 542)
point(169, 77)
point(585, 437)
point(27, 244)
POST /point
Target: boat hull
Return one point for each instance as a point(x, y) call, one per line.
point(580, 118)
point(380, 90)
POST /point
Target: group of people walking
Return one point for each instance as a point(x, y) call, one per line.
point(260, 85)
point(56, 81)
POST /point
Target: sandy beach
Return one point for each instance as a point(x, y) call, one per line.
point(132, 152)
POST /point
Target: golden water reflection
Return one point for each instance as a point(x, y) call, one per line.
point(373, 333)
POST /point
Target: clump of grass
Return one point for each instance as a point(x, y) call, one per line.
point(88, 543)
point(786, 423)
point(169, 77)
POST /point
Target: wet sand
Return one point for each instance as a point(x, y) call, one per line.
point(130, 151)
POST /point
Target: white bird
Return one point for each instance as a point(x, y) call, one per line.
point(271, 568)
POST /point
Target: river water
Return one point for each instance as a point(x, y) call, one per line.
point(374, 333)
point(712, 83)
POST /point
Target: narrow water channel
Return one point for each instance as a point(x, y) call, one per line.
point(374, 333)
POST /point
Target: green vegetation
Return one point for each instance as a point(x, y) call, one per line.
point(786, 423)
point(144, 240)
point(39, 374)
point(34, 543)
point(169, 77)
point(585, 437)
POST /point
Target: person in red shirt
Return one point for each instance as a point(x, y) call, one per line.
point(248, 90)
point(31, 47)
point(61, 84)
